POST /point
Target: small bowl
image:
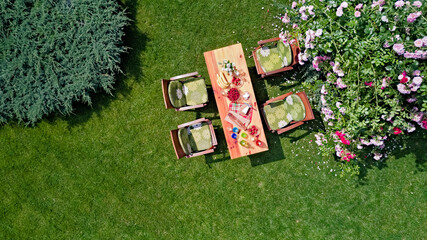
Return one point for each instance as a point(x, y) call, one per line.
point(246, 95)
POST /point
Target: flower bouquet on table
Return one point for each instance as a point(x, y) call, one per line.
point(230, 68)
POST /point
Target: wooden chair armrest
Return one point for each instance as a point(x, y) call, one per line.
point(166, 99)
point(277, 98)
point(184, 75)
point(214, 140)
point(279, 70)
point(211, 150)
point(190, 107)
point(192, 122)
point(295, 51)
point(262, 42)
point(265, 118)
point(257, 65)
point(282, 130)
point(176, 145)
point(309, 115)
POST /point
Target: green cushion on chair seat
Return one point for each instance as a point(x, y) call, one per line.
point(176, 94)
point(277, 115)
point(295, 106)
point(195, 91)
point(200, 137)
point(184, 140)
point(269, 58)
point(285, 53)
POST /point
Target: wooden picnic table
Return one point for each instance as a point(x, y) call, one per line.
point(234, 53)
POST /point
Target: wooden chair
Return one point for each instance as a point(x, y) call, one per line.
point(308, 112)
point(295, 51)
point(179, 151)
point(182, 79)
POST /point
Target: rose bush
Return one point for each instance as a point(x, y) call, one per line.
point(372, 58)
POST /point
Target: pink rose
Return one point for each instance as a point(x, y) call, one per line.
point(402, 89)
point(304, 17)
point(417, 4)
point(386, 45)
point(286, 19)
point(399, 4)
point(417, 80)
point(397, 131)
point(411, 100)
point(339, 12)
point(294, 4)
point(377, 156)
point(408, 55)
point(384, 19)
point(413, 16)
point(340, 83)
point(384, 84)
point(359, 6)
point(357, 14)
point(418, 43)
point(399, 48)
point(310, 10)
point(316, 63)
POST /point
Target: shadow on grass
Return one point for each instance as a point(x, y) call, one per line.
point(136, 42)
point(221, 152)
point(297, 75)
point(275, 150)
point(309, 127)
point(415, 144)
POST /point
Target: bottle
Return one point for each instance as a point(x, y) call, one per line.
point(244, 143)
point(234, 136)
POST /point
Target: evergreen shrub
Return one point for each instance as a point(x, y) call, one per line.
point(56, 52)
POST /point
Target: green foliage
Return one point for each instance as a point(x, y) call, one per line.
point(110, 171)
point(362, 95)
point(53, 53)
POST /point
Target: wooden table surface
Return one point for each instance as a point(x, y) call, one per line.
point(234, 53)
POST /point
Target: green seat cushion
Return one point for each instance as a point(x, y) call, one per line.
point(269, 58)
point(184, 140)
point(200, 137)
point(276, 114)
point(295, 107)
point(285, 53)
point(195, 91)
point(176, 94)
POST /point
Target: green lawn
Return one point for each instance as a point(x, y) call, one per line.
point(109, 171)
